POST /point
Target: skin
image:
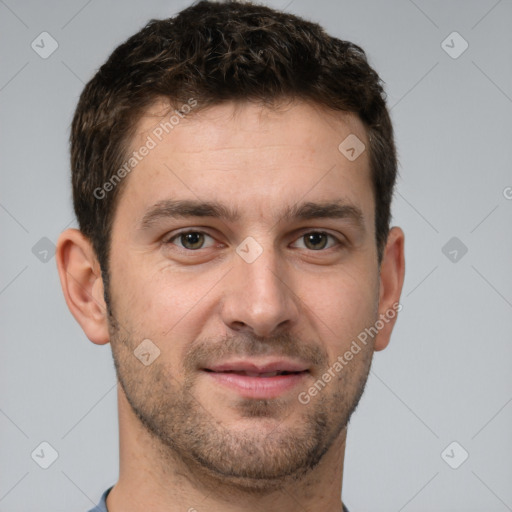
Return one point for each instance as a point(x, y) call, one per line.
point(187, 443)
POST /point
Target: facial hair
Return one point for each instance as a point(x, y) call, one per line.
point(268, 451)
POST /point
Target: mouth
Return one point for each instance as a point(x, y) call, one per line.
point(256, 374)
point(251, 380)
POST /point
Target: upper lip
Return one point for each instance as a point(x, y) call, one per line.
point(281, 365)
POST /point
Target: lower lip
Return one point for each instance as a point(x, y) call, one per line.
point(258, 387)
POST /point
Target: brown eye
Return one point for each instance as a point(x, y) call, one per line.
point(317, 240)
point(191, 240)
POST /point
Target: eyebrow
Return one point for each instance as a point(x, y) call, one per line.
point(170, 208)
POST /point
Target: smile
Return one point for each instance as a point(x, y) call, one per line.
point(250, 384)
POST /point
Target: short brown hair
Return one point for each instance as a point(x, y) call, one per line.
point(217, 52)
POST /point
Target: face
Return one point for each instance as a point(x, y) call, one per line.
point(243, 244)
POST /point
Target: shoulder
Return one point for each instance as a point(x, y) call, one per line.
point(102, 505)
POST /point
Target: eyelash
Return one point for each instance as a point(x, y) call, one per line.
point(169, 241)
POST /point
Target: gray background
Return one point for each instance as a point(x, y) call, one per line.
point(445, 376)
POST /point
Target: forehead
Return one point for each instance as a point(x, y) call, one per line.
point(231, 124)
point(248, 154)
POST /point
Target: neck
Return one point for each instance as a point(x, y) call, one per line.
point(150, 478)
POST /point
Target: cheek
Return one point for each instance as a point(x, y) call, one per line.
point(340, 308)
point(165, 304)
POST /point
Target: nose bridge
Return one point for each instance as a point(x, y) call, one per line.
point(259, 297)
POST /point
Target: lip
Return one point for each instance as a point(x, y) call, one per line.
point(283, 365)
point(249, 386)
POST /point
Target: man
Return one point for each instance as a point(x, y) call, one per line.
point(232, 172)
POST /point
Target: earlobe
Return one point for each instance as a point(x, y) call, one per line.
point(82, 285)
point(392, 274)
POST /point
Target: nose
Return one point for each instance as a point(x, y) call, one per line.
point(259, 296)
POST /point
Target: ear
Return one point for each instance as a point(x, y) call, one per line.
point(82, 285)
point(392, 273)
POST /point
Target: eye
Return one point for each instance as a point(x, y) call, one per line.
point(318, 240)
point(190, 240)
point(195, 240)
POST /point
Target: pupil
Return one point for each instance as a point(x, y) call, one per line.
point(192, 239)
point(314, 239)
